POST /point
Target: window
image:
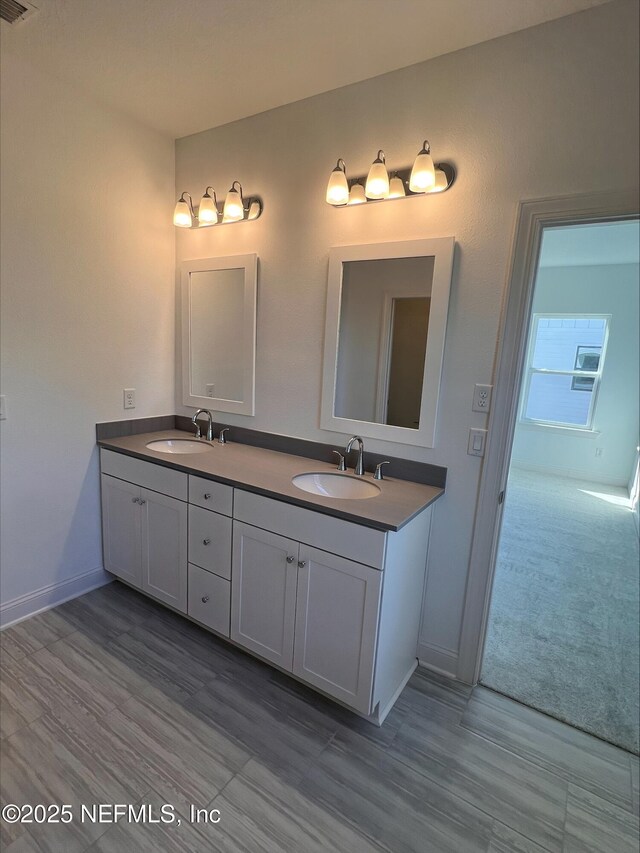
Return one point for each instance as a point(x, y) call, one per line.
point(564, 365)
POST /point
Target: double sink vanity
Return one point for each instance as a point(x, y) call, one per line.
point(317, 571)
point(259, 538)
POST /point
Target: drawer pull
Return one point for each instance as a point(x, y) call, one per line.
point(207, 496)
point(290, 559)
point(302, 564)
point(206, 541)
point(205, 598)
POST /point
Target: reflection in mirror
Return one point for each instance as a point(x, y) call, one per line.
point(216, 319)
point(218, 347)
point(382, 340)
point(385, 327)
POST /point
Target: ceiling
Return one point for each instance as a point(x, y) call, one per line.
point(601, 244)
point(182, 66)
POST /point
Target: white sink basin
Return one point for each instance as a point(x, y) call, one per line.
point(336, 486)
point(178, 445)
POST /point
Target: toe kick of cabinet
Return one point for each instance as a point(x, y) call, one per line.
point(209, 599)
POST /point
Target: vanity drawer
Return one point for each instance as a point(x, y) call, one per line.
point(210, 541)
point(146, 474)
point(210, 495)
point(209, 599)
point(353, 541)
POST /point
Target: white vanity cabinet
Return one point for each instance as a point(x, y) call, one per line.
point(145, 529)
point(263, 593)
point(333, 602)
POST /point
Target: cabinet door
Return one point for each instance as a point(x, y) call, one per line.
point(121, 529)
point(263, 593)
point(336, 626)
point(164, 548)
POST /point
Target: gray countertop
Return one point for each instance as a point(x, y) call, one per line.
point(268, 472)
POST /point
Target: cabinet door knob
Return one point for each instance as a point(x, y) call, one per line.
point(206, 541)
point(290, 559)
point(141, 501)
point(205, 598)
point(302, 564)
point(207, 496)
point(134, 500)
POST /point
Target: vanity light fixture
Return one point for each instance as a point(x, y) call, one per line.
point(377, 185)
point(233, 204)
point(423, 174)
point(183, 213)
point(396, 187)
point(338, 188)
point(423, 178)
point(208, 209)
point(357, 194)
point(236, 208)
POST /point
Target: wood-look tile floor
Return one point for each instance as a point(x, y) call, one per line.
point(112, 699)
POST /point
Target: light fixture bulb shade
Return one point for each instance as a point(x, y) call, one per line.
point(255, 209)
point(182, 215)
point(441, 182)
point(233, 208)
point(423, 175)
point(207, 212)
point(337, 188)
point(377, 181)
point(357, 194)
point(396, 187)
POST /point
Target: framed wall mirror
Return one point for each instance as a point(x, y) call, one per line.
point(219, 303)
point(386, 320)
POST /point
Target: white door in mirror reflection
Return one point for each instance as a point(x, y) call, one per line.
point(216, 319)
point(384, 322)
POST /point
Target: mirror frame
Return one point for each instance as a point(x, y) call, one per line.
point(249, 263)
point(441, 249)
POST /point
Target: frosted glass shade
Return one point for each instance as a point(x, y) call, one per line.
point(233, 208)
point(254, 210)
point(441, 182)
point(337, 188)
point(182, 214)
point(207, 212)
point(357, 194)
point(423, 175)
point(377, 180)
point(396, 187)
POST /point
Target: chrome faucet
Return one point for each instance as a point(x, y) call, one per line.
point(359, 469)
point(194, 421)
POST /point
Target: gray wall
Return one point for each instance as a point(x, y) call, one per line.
point(543, 112)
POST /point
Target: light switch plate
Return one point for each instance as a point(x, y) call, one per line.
point(477, 442)
point(481, 398)
point(3, 407)
point(211, 389)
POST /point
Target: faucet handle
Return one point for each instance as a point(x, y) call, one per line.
point(378, 475)
point(341, 463)
point(222, 437)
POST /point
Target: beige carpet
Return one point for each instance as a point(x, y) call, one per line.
point(563, 631)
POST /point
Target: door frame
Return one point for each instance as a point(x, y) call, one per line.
point(532, 217)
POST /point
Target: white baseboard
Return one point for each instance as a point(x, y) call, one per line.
point(440, 660)
point(571, 473)
point(50, 596)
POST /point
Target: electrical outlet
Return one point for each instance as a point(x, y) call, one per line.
point(129, 395)
point(477, 441)
point(3, 407)
point(211, 389)
point(481, 398)
point(598, 451)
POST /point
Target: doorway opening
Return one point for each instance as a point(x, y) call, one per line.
point(562, 633)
